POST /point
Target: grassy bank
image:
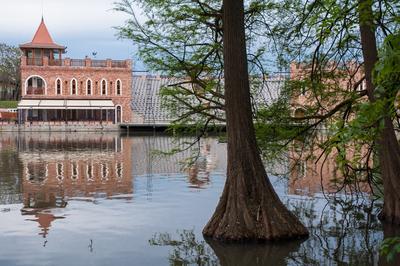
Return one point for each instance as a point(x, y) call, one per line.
point(8, 104)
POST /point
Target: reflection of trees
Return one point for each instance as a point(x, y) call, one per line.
point(344, 231)
point(187, 250)
point(390, 230)
point(10, 172)
point(273, 253)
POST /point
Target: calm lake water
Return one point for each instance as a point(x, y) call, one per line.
point(109, 199)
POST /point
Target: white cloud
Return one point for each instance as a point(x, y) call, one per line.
point(72, 23)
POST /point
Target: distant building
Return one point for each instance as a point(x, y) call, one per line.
point(57, 90)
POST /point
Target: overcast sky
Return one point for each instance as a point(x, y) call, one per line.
point(84, 26)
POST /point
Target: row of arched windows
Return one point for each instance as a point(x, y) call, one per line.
point(39, 172)
point(104, 87)
point(104, 171)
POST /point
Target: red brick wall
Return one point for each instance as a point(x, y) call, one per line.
point(82, 74)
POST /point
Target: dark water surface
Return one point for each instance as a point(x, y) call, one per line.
point(107, 199)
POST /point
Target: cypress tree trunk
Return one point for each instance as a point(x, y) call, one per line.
point(249, 209)
point(387, 144)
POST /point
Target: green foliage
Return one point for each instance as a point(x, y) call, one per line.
point(387, 70)
point(9, 64)
point(390, 248)
point(337, 119)
point(8, 104)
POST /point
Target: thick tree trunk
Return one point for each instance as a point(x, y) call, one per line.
point(387, 144)
point(249, 209)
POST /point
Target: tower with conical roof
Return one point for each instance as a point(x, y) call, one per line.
point(42, 45)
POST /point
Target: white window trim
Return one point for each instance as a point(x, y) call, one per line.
point(74, 177)
point(120, 87)
point(91, 172)
point(101, 87)
point(91, 87)
point(33, 76)
point(104, 166)
point(28, 174)
point(121, 164)
point(116, 115)
point(77, 86)
point(61, 86)
point(60, 177)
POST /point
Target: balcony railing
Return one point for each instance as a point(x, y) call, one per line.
point(99, 63)
point(35, 91)
point(118, 63)
point(77, 62)
point(55, 62)
point(34, 61)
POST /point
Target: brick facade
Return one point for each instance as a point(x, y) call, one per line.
point(66, 73)
point(55, 90)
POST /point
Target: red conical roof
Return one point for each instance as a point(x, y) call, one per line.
point(42, 35)
point(42, 39)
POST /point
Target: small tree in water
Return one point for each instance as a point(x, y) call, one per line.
point(249, 208)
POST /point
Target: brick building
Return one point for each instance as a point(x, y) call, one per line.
point(57, 90)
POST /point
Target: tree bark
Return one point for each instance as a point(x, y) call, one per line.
point(387, 145)
point(249, 209)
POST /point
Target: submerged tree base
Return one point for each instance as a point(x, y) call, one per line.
point(249, 209)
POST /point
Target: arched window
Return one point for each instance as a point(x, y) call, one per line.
point(35, 85)
point(103, 87)
point(60, 171)
point(88, 87)
point(89, 172)
point(74, 170)
point(118, 114)
point(58, 87)
point(118, 87)
point(119, 170)
point(104, 171)
point(74, 87)
point(36, 172)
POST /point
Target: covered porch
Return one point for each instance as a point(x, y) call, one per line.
point(75, 112)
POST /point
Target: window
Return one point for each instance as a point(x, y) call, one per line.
point(300, 169)
point(303, 89)
point(74, 88)
point(103, 87)
point(35, 85)
point(118, 87)
point(299, 113)
point(119, 170)
point(36, 172)
point(118, 114)
point(74, 171)
point(58, 87)
point(104, 171)
point(89, 87)
point(89, 172)
point(60, 171)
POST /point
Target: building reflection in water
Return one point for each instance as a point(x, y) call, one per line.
point(312, 171)
point(57, 167)
point(149, 159)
